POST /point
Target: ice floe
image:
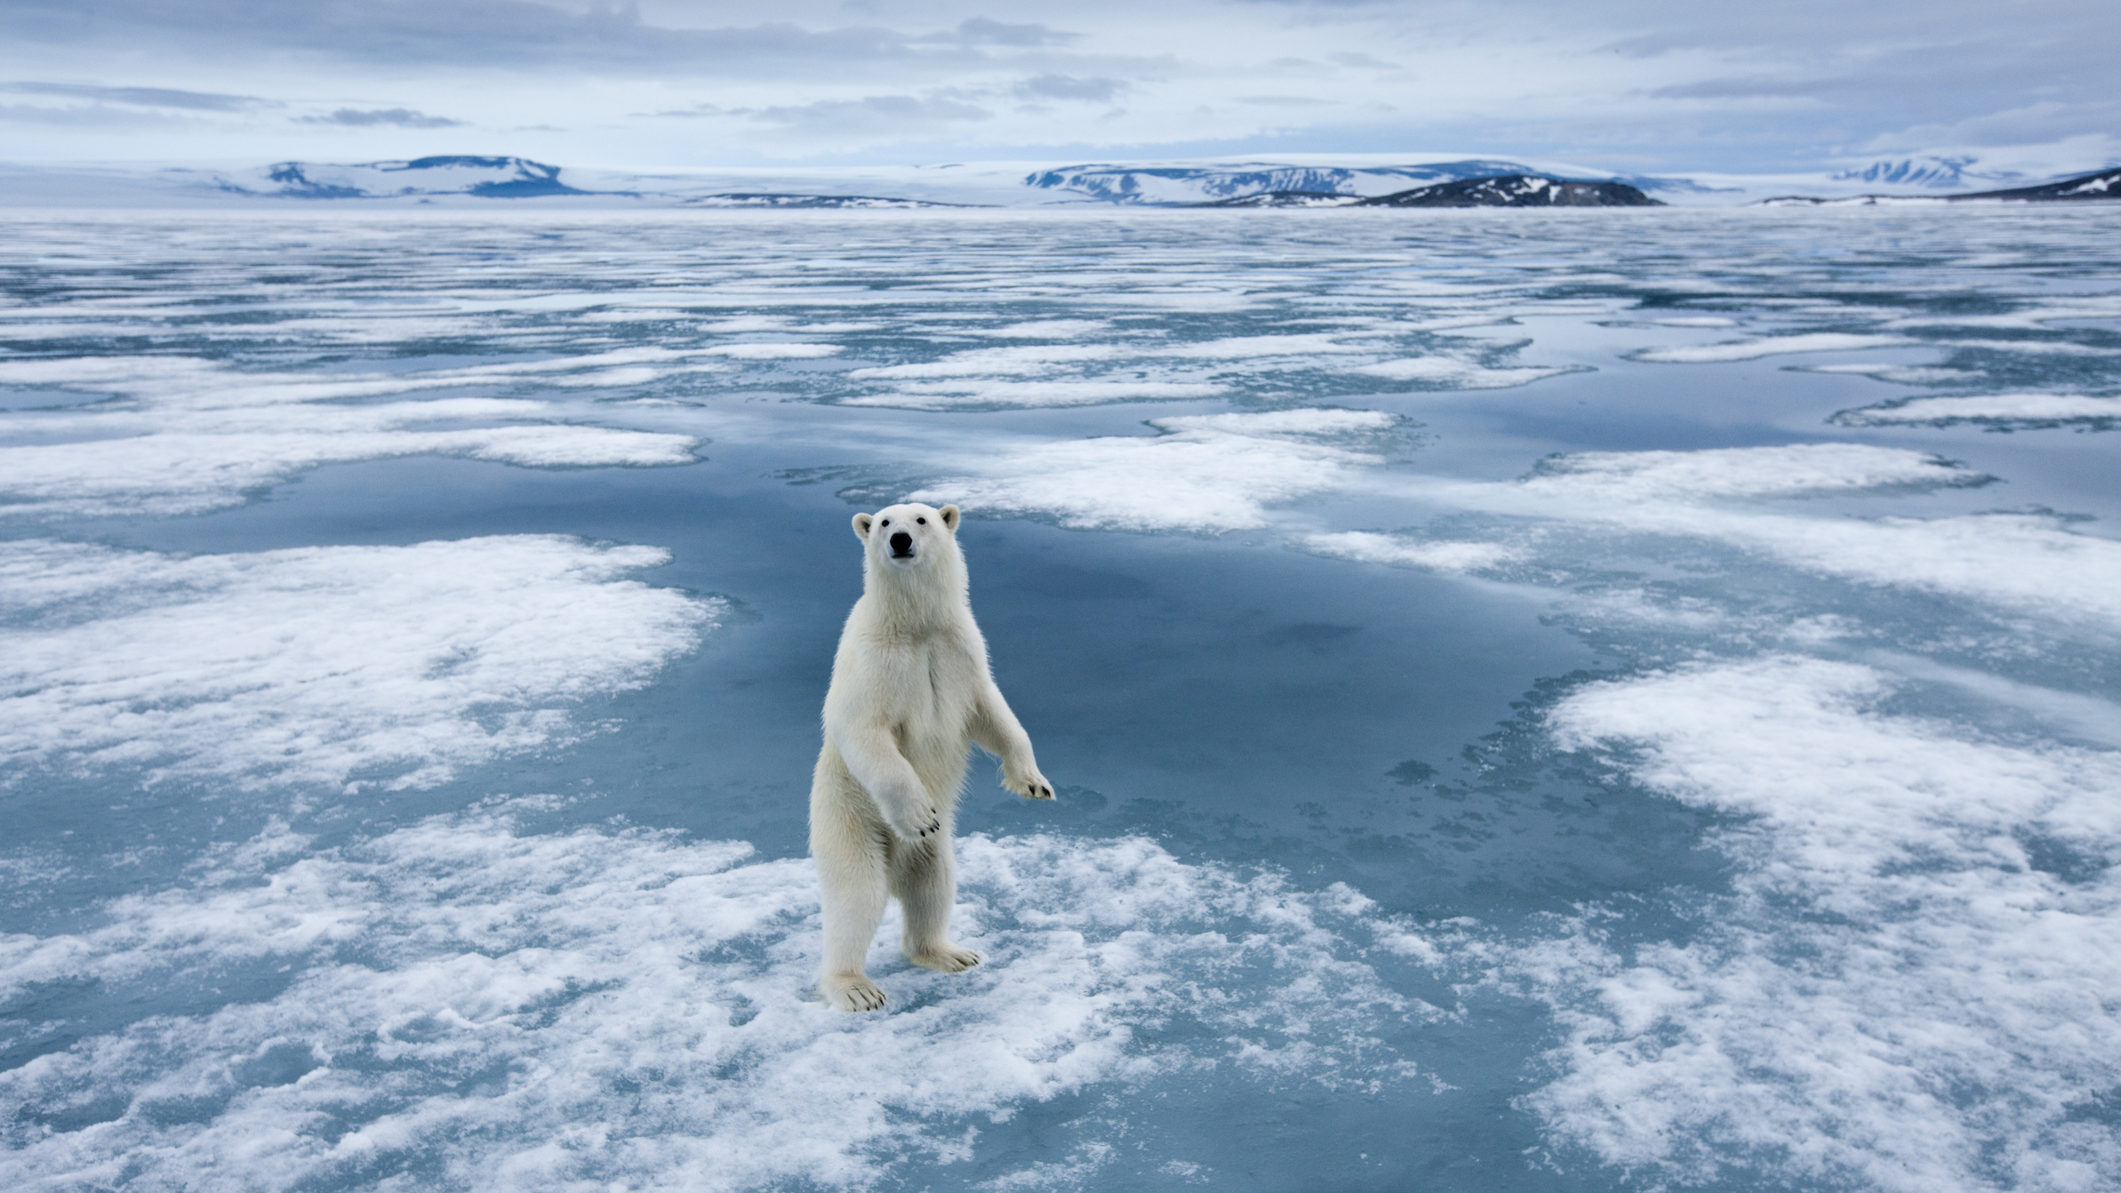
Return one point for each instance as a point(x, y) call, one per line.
point(1910, 986)
point(1201, 473)
point(1736, 472)
point(2001, 411)
point(1435, 555)
point(989, 394)
point(1818, 341)
point(330, 665)
point(1042, 329)
point(189, 435)
point(992, 362)
point(2031, 562)
point(1457, 373)
point(1899, 374)
point(467, 1004)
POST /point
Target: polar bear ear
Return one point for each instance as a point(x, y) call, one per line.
point(950, 516)
point(862, 523)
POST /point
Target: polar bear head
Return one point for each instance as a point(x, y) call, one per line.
point(912, 544)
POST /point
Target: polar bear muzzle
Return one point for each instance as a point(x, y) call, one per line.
point(901, 545)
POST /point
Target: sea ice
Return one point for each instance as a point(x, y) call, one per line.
point(330, 665)
point(1904, 989)
point(514, 1010)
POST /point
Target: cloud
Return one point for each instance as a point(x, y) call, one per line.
point(1069, 87)
point(501, 33)
point(871, 114)
point(366, 118)
point(91, 116)
point(981, 31)
point(2033, 123)
point(145, 97)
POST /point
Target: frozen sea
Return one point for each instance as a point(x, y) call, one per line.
point(1597, 700)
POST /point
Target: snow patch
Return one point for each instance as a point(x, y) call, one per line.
point(1910, 987)
point(1203, 473)
point(1454, 373)
point(1439, 556)
point(1999, 410)
point(332, 665)
point(1731, 472)
point(189, 435)
point(1818, 341)
point(533, 1011)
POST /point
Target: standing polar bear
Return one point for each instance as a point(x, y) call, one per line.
point(911, 692)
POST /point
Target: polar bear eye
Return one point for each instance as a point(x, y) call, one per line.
point(922, 521)
point(885, 522)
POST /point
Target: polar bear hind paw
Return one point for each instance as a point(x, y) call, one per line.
point(852, 993)
point(947, 958)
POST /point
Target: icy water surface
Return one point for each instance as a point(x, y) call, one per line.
point(1541, 701)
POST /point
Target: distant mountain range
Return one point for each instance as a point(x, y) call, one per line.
point(486, 177)
point(778, 199)
point(474, 181)
point(1501, 190)
point(2097, 186)
point(2100, 184)
point(1932, 171)
point(1470, 182)
point(1151, 185)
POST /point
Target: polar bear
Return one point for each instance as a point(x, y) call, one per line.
point(911, 693)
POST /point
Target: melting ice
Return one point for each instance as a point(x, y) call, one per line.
point(1573, 701)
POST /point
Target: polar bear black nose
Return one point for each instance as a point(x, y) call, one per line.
point(901, 543)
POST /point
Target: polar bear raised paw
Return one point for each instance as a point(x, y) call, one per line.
point(1028, 783)
point(852, 993)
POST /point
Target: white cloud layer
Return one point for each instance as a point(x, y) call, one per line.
point(683, 83)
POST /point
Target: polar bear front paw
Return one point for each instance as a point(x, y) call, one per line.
point(852, 992)
point(1027, 782)
point(919, 823)
point(945, 958)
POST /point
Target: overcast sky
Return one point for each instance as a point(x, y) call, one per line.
point(1631, 85)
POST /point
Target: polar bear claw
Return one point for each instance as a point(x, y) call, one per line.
point(852, 992)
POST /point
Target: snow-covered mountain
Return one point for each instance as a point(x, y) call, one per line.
point(1517, 190)
point(780, 200)
point(2097, 186)
point(1160, 185)
point(472, 182)
point(1933, 171)
point(485, 177)
point(1501, 190)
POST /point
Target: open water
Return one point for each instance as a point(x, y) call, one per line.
point(1540, 700)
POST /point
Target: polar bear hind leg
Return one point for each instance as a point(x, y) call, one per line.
point(924, 879)
point(851, 878)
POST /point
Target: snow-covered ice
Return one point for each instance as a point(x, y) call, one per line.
point(1489, 757)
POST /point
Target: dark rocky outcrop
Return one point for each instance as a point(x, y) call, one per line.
point(2100, 184)
point(1516, 190)
point(2096, 186)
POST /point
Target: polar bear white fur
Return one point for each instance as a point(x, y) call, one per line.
point(911, 693)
